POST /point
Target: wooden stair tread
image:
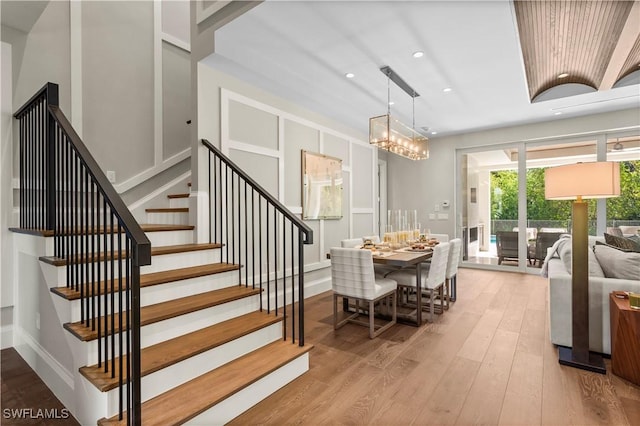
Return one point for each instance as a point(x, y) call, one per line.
point(164, 354)
point(152, 227)
point(172, 196)
point(192, 398)
point(155, 251)
point(149, 227)
point(37, 232)
point(165, 310)
point(154, 278)
point(168, 210)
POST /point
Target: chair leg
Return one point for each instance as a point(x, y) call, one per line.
point(431, 306)
point(372, 326)
point(447, 292)
point(335, 311)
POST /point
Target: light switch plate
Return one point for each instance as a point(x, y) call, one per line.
point(436, 207)
point(432, 216)
point(443, 216)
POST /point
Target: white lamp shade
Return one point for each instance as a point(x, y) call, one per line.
point(586, 180)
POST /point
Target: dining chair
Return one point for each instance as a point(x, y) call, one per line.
point(352, 277)
point(351, 243)
point(451, 276)
point(375, 239)
point(431, 281)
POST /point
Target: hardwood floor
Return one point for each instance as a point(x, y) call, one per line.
point(488, 360)
point(26, 400)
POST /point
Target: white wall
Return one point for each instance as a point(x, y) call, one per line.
point(265, 134)
point(6, 200)
point(422, 185)
point(108, 59)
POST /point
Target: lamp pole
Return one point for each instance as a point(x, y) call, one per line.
point(578, 355)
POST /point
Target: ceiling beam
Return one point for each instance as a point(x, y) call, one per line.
point(627, 39)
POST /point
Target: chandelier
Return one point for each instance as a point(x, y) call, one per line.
point(390, 134)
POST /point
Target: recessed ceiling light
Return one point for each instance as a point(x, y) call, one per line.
point(557, 113)
point(434, 133)
point(447, 89)
point(418, 54)
point(563, 75)
point(349, 75)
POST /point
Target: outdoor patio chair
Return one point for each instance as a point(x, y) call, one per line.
point(507, 245)
point(544, 240)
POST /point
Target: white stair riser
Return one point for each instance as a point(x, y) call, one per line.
point(178, 202)
point(168, 291)
point(96, 242)
point(174, 327)
point(170, 238)
point(168, 218)
point(172, 376)
point(236, 404)
point(181, 260)
point(158, 264)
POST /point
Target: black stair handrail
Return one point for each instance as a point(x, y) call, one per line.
point(64, 190)
point(239, 207)
point(306, 230)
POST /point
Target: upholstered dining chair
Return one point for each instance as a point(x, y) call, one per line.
point(352, 276)
point(451, 276)
point(351, 243)
point(432, 280)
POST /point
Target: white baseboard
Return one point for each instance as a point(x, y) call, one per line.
point(53, 374)
point(6, 336)
point(144, 200)
point(152, 171)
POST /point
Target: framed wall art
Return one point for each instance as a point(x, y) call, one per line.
point(321, 186)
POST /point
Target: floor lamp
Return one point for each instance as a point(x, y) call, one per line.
point(578, 182)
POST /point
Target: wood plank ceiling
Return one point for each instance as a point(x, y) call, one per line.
point(595, 42)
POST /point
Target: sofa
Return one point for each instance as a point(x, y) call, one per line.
point(606, 264)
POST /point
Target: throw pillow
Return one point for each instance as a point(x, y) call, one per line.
point(564, 251)
point(622, 242)
point(618, 264)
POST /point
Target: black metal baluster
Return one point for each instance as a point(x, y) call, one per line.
point(22, 157)
point(260, 247)
point(28, 177)
point(226, 212)
point(120, 315)
point(275, 258)
point(219, 207)
point(293, 289)
point(98, 275)
point(284, 276)
point(84, 236)
point(94, 236)
point(43, 177)
point(113, 295)
point(76, 235)
point(211, 206)
point(233, 218)
point(128, 322)
point(67, 225)
point(246, 238)
point(253, 234)
point(300, 288)
point(105, 287)
point(214, 199)
point(268, 263)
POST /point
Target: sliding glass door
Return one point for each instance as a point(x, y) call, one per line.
point(502, 214)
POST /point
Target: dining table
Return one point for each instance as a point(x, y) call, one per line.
point(407, 258)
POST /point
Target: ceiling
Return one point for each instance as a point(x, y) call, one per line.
point(301, 51)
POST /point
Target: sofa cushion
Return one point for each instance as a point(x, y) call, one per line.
point(622, 242)
point(564, 251)
point(618, 264)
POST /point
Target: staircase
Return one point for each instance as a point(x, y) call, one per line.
point(205, 339)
